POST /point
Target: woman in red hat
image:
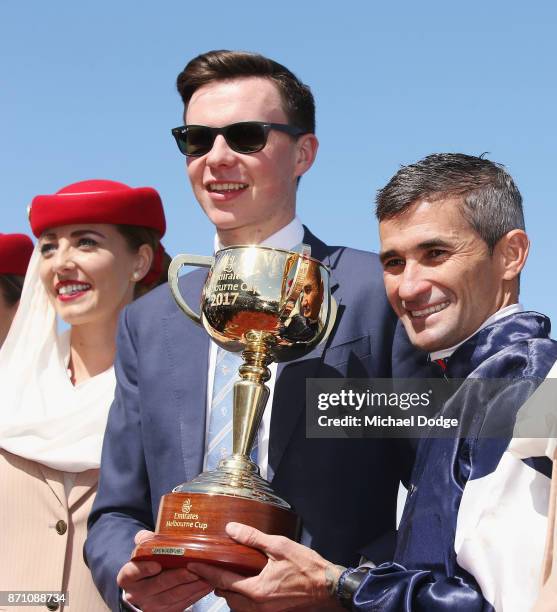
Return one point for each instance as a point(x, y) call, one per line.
point(98, 248)
point(15, 252)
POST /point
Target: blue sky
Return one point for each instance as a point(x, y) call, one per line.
point(87, 91)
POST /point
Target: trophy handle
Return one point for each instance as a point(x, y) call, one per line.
point(178, 262)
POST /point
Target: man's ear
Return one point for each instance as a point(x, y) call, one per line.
point(306, 150)
point(513, 249)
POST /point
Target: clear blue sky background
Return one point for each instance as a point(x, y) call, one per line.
point(87, 91)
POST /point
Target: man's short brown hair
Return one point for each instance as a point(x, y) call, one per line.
point(224, 65)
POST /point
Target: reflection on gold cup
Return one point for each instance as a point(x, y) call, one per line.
point(273, 305)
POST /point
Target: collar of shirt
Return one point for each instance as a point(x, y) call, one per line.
point(500, 314)
point(288, 237)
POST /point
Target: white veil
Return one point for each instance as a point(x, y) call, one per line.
point(43, 417)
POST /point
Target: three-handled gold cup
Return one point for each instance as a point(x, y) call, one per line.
point(273, 305)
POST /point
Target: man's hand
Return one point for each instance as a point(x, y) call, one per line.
point(295, 577)
point(151, 589)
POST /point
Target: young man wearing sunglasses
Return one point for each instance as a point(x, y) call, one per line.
point(248, 138)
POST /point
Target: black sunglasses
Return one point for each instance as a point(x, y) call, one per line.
point(244, 137)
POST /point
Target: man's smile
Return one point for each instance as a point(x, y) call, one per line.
point(226, 187)
point(424, 312)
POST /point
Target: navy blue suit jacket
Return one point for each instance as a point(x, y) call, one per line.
point(156, 427)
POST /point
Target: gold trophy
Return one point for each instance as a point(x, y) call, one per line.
point(273, 305)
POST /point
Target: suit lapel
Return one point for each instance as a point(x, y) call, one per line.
point(85, 483)
point(189, 343)
point(55, 480)
point(320, 251)
point(287, 408)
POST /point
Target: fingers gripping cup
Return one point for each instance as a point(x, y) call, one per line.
point(272, 305)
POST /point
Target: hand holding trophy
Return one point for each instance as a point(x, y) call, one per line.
point(273, 305)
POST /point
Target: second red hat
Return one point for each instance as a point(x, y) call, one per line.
point(15, 253)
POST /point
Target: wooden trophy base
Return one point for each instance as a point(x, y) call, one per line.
point(191, 527)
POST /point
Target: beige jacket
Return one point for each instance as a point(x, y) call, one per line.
point(42, 532)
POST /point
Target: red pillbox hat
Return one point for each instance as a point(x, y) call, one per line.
point(98, 201)
point(15, 253)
